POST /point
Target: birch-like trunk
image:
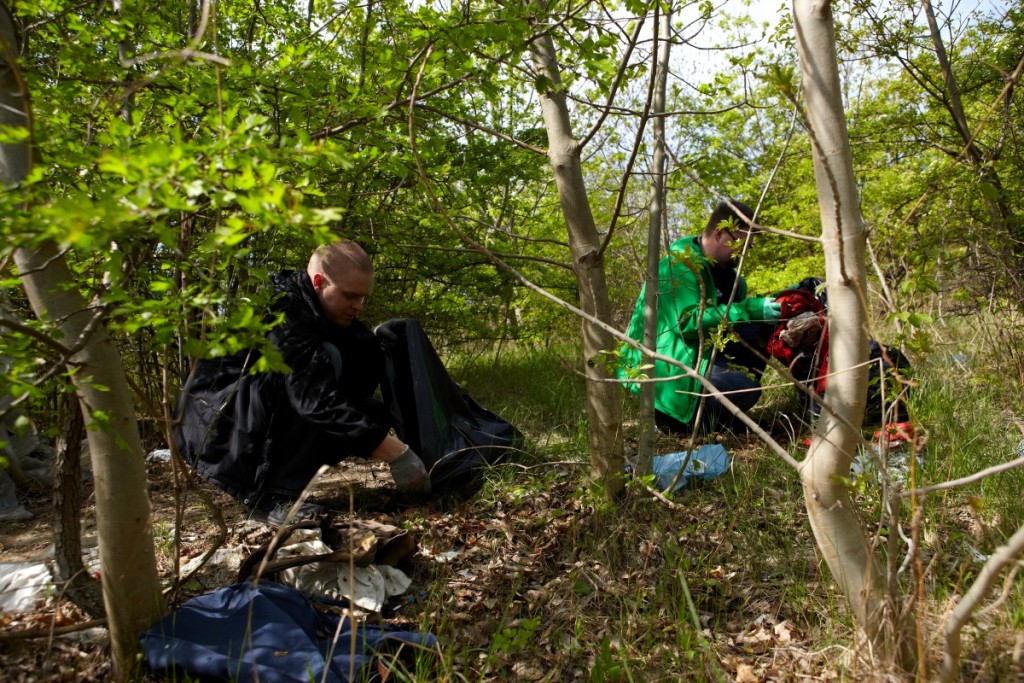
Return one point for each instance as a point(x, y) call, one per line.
point(836, 525)
point(131, 588)
point(603, 396)
point(648, 435)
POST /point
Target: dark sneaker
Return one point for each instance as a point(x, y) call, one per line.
point(279, 513)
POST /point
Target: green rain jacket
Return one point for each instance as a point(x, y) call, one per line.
point(688, 310)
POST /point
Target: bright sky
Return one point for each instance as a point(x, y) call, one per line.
point(706, 63)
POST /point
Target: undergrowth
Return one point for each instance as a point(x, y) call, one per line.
point(549, 581)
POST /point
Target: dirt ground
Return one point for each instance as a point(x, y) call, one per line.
point(31, 648)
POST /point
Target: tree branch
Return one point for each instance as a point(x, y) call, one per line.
point(963, 481)
point(1005, 555)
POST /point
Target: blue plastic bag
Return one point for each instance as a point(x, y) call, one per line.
point(707, 462)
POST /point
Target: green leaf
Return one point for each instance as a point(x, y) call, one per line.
point(919, 319)
point(989, 191)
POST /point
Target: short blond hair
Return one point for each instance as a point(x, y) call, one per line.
point(339, 257)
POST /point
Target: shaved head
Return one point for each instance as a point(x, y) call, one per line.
point(335, 259)
point(342, 277)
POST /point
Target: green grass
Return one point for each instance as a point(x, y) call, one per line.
point(552, 582)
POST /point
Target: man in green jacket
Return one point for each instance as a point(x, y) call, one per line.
point(695, 296)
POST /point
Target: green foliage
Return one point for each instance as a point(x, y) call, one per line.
point(179, 167)
point(178, 181)
point(616, 577)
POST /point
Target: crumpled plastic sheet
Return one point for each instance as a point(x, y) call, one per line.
point(707, 462)
point(24, 586)
point(366, 587)
point(10, 508)
point(897, 461)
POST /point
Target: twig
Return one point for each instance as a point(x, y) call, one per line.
point(661, 497)
point(10, 636)
point(995, 469)
point(1003, 556)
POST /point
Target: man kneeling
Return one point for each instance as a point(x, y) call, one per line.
point(262, 437)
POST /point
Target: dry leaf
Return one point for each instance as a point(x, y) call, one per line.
point(745, 674)
point(527, 672)
point(784, 633)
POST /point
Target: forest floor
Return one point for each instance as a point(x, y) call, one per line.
point(537, 579)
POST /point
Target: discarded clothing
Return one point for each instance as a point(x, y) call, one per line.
point(270, 633)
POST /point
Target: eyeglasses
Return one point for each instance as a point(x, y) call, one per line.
point(734, 239)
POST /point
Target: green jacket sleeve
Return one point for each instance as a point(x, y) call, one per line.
point(693, 321)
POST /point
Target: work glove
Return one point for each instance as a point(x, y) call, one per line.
point(409, 473)
point(772, 310)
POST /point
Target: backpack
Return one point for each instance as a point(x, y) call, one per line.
point(808, 361)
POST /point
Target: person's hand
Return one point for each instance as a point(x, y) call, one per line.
point(772, 310)
point(409, 473)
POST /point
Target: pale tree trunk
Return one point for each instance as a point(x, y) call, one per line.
point(834, 521)
point(564, 154)
point(131, 588)
point(648, 435)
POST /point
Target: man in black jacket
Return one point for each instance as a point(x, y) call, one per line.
point(262, 437)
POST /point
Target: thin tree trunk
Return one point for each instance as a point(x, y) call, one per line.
point(1003, 219)
point(131, 589)
point(564, 154)
point(69, 570)
point(648, 434)
point(833, 517)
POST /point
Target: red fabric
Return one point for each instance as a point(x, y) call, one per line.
point(794, 302)
point(797, 301)
point(895, 433)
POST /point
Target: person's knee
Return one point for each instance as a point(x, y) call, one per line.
point(738, 387)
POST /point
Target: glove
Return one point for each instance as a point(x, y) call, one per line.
point(772, 310)
point(409, 473)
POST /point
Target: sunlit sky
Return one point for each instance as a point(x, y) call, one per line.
point(702, 63)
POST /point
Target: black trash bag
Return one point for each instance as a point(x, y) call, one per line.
point(455, 436)
point(887, 362)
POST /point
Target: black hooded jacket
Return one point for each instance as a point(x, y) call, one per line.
point(268, 433)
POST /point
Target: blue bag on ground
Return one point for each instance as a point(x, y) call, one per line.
point(707, 462)
point(267, 632)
